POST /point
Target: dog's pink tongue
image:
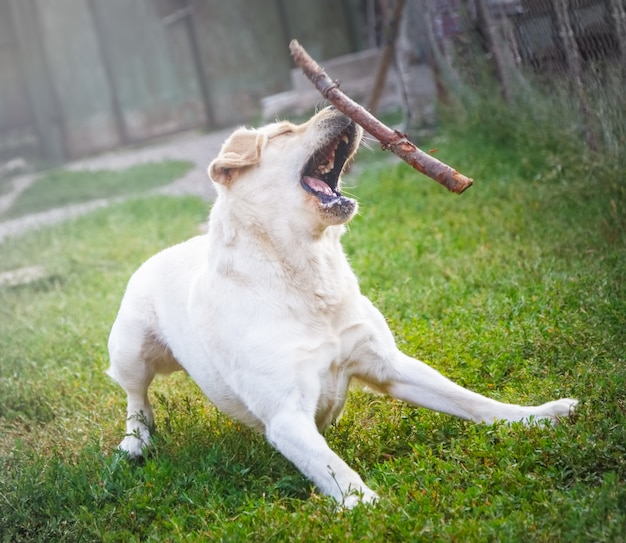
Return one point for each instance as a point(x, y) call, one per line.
point(317, 185)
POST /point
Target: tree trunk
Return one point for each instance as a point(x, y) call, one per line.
point(387, 57)
point(574, 66)
point(619, 19)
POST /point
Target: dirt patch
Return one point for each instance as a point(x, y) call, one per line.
point(22, 276)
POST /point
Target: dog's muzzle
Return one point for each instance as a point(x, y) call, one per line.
point(322, 173)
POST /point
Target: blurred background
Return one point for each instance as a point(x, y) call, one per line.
point(78, 77)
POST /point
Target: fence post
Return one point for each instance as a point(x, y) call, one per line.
point(107, 65)
point(197, 62)
point(47, 112)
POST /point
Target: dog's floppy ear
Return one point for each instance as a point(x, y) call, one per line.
point(242, 149)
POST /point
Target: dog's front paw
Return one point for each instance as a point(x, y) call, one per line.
point(553, 411)
point(355, 497)
point(559, 408)
point(134, 446)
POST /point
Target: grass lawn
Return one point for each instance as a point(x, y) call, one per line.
point(61, 187)
point(515, 289)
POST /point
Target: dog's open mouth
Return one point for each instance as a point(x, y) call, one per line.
point(321, 173)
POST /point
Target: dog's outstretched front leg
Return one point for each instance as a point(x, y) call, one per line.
point(419, 384)
point(384, 367)
point(297, 438)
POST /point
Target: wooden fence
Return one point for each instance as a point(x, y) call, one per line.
point(82, 76)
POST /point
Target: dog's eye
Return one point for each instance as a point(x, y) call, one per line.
point(283, 132)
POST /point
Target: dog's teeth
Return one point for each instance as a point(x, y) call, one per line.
point(345, 139)
point(325, 168)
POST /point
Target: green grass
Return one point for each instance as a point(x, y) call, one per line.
point(515, 289)
point(61, 187)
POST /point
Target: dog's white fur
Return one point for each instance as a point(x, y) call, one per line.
point(265, 314)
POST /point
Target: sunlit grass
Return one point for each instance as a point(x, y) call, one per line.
point(61, 187)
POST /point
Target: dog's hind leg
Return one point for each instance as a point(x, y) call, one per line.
point(296, 436)
point(134, 371)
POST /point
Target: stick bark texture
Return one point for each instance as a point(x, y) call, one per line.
point(390, 139)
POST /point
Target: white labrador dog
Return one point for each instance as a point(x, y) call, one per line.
point(265, 313)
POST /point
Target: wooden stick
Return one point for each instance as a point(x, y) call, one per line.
point(390, 139)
